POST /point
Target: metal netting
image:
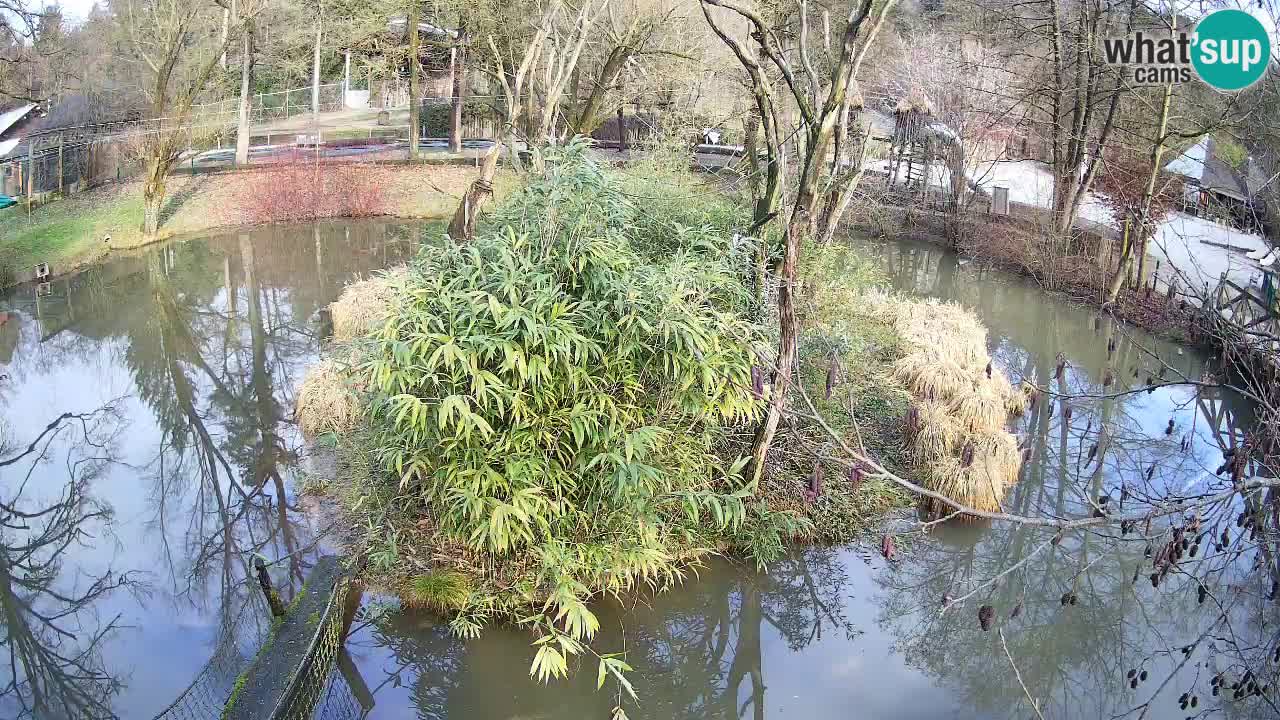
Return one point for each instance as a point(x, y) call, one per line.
point(306, 675)
point(315, 678)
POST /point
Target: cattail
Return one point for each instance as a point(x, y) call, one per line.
point(1061, 366)
point(855, 478)
point(1111, 346)
point(1169, 430)
point(815, 482)
point(1066, 411)
point(1050, 412)
point(986, 615)
point(988, 369)
point(1108, 378)
point(833, 371)
point(1142, 676)
point(966, 455)
point(1201, 594)
point(757, 382)
point(887, 548)
point(1066, 599)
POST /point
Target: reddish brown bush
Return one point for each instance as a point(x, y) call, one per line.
point(305, 191)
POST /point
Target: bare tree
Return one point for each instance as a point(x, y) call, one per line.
point(175, 43)
point(822, 100)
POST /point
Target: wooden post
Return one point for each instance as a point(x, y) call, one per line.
point(31, 173)
point(62, 179)
point(264, 582)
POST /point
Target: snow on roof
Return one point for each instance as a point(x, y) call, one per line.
point(1191, 163)
point(7, 146)
point(9, 118)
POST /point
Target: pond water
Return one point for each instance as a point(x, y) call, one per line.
point(127, 532)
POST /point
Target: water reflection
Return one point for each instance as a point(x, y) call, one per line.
point(52, 631)
point(831, 633)
point(198, 347)
point(1147, 444)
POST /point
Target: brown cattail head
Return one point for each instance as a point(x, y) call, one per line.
point(988, 369)
point(966, 454)
point(1108, 378)
point(1066, 411)
point(833, 372)
point(887, 548)
point(1060, 367)
point(815, 480)
point(986, 616)
point(1169, 430)
point(855, 478)
point(757, 382)
point(912, 420)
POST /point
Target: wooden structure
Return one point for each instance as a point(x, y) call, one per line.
point(912, 143)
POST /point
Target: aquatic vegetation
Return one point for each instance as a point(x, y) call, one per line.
point(956, 425)
point(365, 304)
point(443, 590)
point(553, 402)
point(327, 402)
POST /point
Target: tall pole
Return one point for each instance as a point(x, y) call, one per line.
point(346, 76)
point(412, 27)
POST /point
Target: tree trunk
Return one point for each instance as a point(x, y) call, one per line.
point(787, 343)
point(415, 131)
point(153, 194)
point(463, 226)
point(1138, 243)
point(459, 88)
point(592, 114)
point(246, 103)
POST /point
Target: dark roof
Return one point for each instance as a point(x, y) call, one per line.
point(1220, 177)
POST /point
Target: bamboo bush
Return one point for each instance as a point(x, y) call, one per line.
point(556, 395)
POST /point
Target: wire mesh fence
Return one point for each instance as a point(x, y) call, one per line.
point(301, 670)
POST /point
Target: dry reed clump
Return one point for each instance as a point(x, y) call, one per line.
point(981, 410)
point(931, 377)
point(326, 401)
point(933, 432)
point(365, 304)
point(956, 427)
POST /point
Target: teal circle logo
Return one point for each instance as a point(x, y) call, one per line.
point(1231, 50)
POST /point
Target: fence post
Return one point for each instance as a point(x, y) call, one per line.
point(62, 178)
point(31, 173)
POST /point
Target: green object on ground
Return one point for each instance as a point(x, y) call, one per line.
point(6, 201)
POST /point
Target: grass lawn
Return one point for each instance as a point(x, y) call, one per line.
point(70, 230)
point(70, 233)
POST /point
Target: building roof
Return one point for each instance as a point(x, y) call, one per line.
point(1203, 164)
point(10, 117)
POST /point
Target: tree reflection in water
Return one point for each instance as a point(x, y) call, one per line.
point(697, 652)
point(50, 635)
point(208, 339)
